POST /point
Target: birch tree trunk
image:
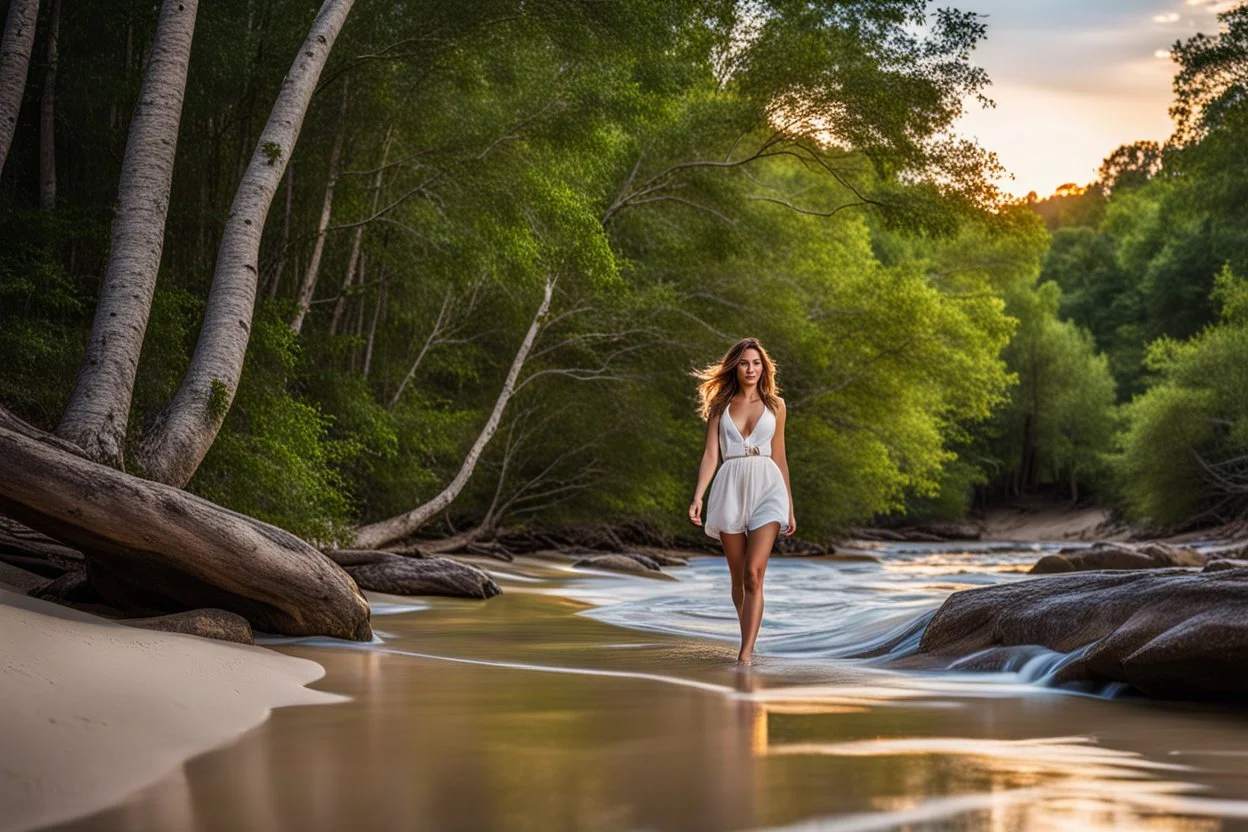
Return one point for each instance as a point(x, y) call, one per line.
point(376, 535)
point(47, 114)
point(185, 431)
point(308, 289)
point(15, 48)
point(99, 407)
point(358, 238)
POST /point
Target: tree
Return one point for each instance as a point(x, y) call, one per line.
point(184, 432)
point(1182, 457)
point(1130, 166)
point(16, 45)
point(1213, 76)
point(99, 407)
point(47, 113)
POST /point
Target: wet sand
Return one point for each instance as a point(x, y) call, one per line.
point(93, 709)
point(518, 714)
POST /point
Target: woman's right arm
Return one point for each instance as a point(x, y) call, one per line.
point(710, 461)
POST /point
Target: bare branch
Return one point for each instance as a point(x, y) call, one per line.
point(812, 213)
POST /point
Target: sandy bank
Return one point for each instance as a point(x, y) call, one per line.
point(1050, 523)
point(93, 710)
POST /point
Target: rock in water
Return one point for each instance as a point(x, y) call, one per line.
point(1222, 564)
point(403, 575)
point(617, 563)
point(1169, 633)
point(1117, 556)
point(206, 623)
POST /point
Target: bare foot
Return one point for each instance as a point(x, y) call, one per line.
point(744, 661)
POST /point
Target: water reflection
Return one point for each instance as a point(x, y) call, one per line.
point(522, 713)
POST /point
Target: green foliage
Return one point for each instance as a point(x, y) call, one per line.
point(1177, 457)
point(274, 459)
point(688, 172)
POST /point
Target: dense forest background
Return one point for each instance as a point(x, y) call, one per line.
point(508, 231)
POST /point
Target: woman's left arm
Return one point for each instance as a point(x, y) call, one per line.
point(777, 455)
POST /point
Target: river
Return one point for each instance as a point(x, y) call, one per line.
point(588, 700)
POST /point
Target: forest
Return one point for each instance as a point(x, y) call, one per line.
point(380, 272)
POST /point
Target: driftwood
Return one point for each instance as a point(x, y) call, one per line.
point(400, 575)
point(22, 580)
point(28, 549)
point(153, 549)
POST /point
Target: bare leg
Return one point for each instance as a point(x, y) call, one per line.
point(734, 551)
point(757, 550)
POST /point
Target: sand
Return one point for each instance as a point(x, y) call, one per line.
point(94, 710)
point(1047, 524)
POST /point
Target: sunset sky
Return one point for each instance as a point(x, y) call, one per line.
point(1074, 79)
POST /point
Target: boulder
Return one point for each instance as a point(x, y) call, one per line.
point(206, 623)
point(1222, 564)
point(1117, 556)
point(404, 575)
point(662, 558)
point(1167, 632)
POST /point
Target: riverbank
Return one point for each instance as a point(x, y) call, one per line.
point(94, 710)
point(538, 710)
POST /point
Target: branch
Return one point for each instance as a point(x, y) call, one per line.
point(799, 210)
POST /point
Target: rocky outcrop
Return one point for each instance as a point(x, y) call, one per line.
point(1117, 556)
point(1168, 633)
point(405, 575)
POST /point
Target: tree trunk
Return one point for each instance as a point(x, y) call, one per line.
point(434, 334)
point(376, 535)
point(153, 549)
point(15, 48)
point(358, 238)
point(308, 289)
point(47, 115)
point(186, 430)
point(99, 407)
point(372, 327)
point(276, 285)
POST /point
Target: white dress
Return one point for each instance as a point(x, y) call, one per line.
point(748, 490)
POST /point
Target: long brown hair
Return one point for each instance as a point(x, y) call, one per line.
point(719, 380)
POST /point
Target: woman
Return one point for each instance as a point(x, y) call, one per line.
point(751, 500)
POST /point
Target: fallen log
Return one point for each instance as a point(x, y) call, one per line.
point(152, 549)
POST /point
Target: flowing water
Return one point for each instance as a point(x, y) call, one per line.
point(586, 700)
